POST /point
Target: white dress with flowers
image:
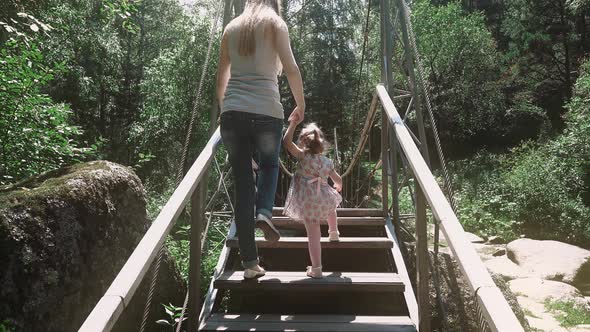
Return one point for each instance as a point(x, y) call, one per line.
point(310, 198)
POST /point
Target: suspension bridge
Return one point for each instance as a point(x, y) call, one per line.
point(368, 286)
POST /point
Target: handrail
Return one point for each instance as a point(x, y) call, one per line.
point(106, 312)
point(496, 310)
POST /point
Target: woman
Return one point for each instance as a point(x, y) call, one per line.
point(255, 49)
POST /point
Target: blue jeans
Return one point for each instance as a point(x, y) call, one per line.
point(244, 135)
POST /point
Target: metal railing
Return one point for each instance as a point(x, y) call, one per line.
point(492, 304)
point(107, 311)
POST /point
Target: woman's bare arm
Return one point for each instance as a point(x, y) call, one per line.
point(223, 69)
point(290, 67)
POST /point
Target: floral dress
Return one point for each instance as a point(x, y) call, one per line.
point(310, 198)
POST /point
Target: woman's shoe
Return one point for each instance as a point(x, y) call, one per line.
point(255, 272)
point(271, 233)
point(314, 272)
point(334, 236)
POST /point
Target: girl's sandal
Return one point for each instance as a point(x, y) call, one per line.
point(314, 272)
point(334, 236)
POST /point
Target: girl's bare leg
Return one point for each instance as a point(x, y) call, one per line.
point(332, 222)
point(314, 236)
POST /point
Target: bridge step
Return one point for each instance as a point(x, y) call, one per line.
point(343, 212)
point(280, 221)
point(311, 323)
point(332, 281)
point(301, 242)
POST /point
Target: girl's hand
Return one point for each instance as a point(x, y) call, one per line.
point(338, 186)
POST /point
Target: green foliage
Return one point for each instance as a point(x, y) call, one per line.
point(539, 189)
point(123, 10)
point(568, 313)
point(464, 73)
point(174, 313)
point(36, 132)
point(6, 326)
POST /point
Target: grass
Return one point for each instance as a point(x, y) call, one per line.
point(529, 313)
point(568, 313)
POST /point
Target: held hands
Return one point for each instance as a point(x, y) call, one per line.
point(297, 116)
point(338, 186)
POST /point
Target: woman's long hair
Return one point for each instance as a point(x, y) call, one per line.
point(266, 12)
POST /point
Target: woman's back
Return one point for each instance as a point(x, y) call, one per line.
point(253, 85)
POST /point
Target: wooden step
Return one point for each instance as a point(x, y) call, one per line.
point(311, 323)
point(301, 242)
point(343, 212)
point(332, 281)
point(280, 221)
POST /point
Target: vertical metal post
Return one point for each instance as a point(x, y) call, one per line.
point(387, 80)
point(239, 6)
point(423, 276)
point(194, 274)
point(197, 213)
point(403, 16)
point(422, 253)
point(385, 163)
point(386, 46)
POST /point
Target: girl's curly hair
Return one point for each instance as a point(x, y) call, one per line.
point(311, 139)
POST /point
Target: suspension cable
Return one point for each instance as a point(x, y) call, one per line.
point(180, 173)
point(423, 86)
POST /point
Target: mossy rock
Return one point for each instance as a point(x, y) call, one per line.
point(64, 236)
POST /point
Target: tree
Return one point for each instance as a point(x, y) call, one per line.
point(463, 68)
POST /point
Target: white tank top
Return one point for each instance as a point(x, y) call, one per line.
point(253, 85)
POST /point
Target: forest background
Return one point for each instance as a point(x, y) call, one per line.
point(117, 80)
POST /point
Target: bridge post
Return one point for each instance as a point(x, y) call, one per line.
point(422, 252)
point(387, 80)
point(194, 274)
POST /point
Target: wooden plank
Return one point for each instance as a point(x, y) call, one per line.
point(104, 320)
point(342, 221)
point(134, 270)
point(301, 242)
point(212, 293)
point(298, 281)
point(471, 266)
point(343, 212)
point(422, 268)
point(311, 323)
point(194, 273)
point(402, 271)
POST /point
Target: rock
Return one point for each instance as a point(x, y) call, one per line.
point(499, 252)
point(505, 268)
point(64, 237)
point(580, 328)
point(474, 238)
point(551, 260)
point(486, 251)
point(495, 240)
point(460, 304)
point(538, 316)
point(540, 290)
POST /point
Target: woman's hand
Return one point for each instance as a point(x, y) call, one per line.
point(297, 115)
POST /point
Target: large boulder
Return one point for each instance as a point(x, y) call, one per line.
point(533, 293)
point(64, 236)
point(505, 268)
point(541, 290)
point(551, 260)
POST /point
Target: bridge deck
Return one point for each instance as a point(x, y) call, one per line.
point(363, 290)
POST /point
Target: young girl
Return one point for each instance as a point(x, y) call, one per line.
point(310, 198)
